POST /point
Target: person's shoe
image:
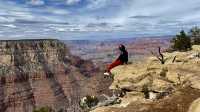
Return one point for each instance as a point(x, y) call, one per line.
point(106, 74)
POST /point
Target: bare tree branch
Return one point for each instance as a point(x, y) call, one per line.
point(160, 57)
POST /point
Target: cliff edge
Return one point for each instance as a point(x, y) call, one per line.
point(150, 86)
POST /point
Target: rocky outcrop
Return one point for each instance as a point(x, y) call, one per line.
point(195, 106)
point(150, 86)
point(37, 73)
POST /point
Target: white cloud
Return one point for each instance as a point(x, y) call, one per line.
point(57, 11)
point(10, 12)
point(37, 2)
point(4, 19)
point(10, 25)
point(60, 12)
point(96, 4)
point(72, 2)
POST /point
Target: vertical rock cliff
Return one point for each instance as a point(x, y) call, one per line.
point(37, 73)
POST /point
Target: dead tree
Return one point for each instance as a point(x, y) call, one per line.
point(174, 59)
point(160, 57)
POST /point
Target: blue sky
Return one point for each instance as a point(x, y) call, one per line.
point(79, 19)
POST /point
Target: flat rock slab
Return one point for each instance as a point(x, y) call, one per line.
point(195, 106)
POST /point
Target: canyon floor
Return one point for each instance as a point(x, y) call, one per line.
point(150, 86)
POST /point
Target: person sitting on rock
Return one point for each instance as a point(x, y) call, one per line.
point(122, 59)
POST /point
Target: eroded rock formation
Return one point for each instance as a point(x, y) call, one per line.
point(37, 73)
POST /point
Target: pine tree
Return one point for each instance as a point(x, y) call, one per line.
point(181, 42)
point(195, 35)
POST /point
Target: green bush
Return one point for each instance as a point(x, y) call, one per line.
point(195, 35)
point(43, 109)
point(181, 42)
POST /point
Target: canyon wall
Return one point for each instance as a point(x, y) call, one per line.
point(38, 73)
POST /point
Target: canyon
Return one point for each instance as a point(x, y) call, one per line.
point(42, 72)
point(104, 51)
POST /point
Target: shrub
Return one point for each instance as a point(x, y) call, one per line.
point(181, 42)
point(43, 109)
point(88, 102)
point(195, 35)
